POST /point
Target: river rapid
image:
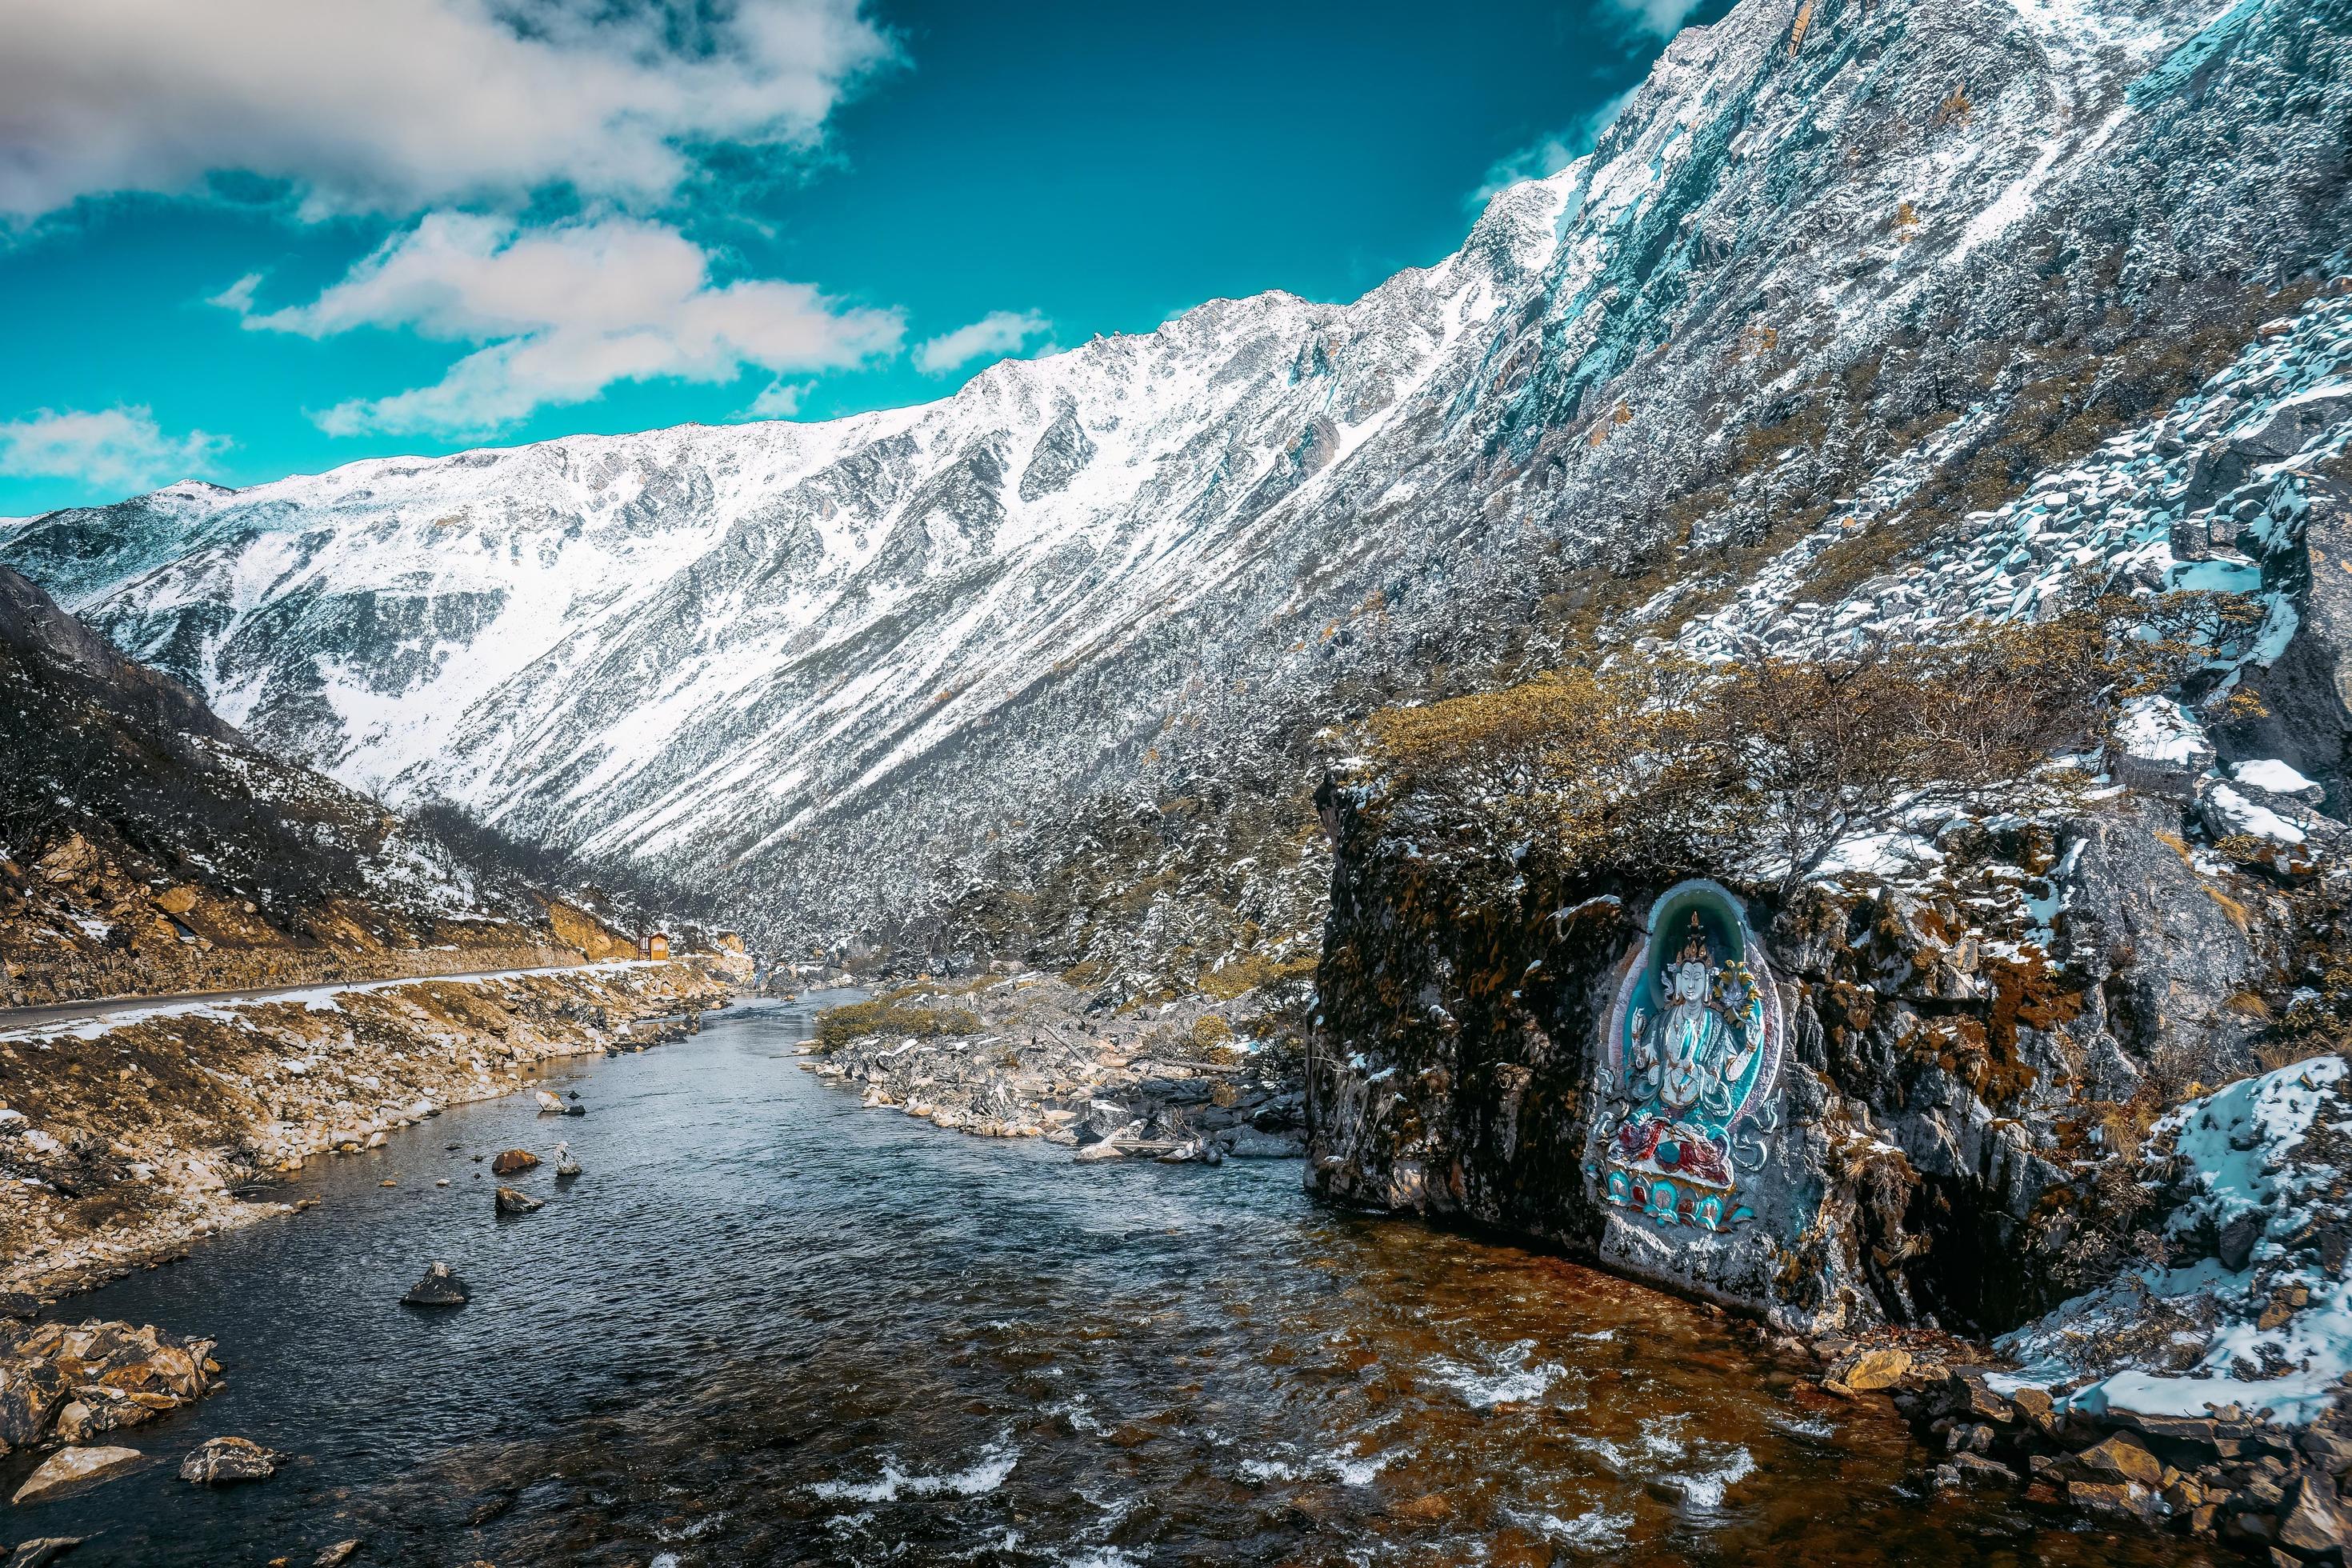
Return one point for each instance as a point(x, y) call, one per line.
point(768, 1327)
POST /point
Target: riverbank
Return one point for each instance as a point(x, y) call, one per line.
point(125, 1139)
point(1031, 1056)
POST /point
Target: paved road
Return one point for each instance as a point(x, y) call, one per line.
point(13, 1018)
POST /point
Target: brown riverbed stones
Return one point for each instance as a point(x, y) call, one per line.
point(513, 1163)
point(2232, 1478)
point(1044, 1059)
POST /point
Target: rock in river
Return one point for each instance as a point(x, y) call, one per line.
point(225, 1461)
point(549, 1104)
point(75, 1380)
point(335, 1556)
point(69, 1470)
point(513, 1202)
point(439, 1287)
point(42, 1550)
point(514, 1161)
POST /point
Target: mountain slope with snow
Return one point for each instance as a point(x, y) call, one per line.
point(1860, 268)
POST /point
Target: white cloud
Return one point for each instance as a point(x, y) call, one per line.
point(1664, 17)
point(563, 312)
point(237, 296)
point(117, 450)
point(397, 105)
point(780, 399)
point(994, 335)
point(1550, 154)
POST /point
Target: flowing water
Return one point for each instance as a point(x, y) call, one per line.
point(769, 1327)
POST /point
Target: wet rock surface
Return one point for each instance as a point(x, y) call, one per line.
point(439, 1287)
point(73, 1381)
point(71, 1471)
point(227, 1461)
point(42, 1550)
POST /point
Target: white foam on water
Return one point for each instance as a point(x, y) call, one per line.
point(1074, 1410)
point(1705, 1490)
point(1348, 1469)
point(1510, 1376)
point(996, 1462)
point(1594, 1527)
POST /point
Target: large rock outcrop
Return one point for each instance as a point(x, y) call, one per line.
point(1911, 1098)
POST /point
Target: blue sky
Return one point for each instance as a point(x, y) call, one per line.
point(254, 238)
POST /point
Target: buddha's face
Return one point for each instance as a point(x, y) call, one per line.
point(1690, 981)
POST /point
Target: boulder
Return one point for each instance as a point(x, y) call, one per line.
point(2036, 1407)
point(1969, 1398)
point(69, 1470)
point(509, 1201)
point(513, 1163)
point(549, 1104)
point(75, 1380)
point(2114, 1500)
point(439, 1287)
point(2309, 1524)
point(2120, 1459)
point(1873, 1369)
point(335, 1556)
point(2330, 1451)
point(1977, 1470)
point(225, 1461)
point(2236, 1241)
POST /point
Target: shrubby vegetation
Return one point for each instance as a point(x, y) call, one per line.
point(836, 1027)
point(1651, 765)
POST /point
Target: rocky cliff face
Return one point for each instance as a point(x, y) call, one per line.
point(1841, 274)
point(1954, 1068)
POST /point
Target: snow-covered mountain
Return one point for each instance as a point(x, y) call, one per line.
point(1842, 273)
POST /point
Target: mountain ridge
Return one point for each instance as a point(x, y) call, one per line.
point(1840, 266)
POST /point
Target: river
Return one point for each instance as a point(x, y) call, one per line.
point(769, 1327)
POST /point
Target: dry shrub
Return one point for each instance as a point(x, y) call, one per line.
point(1653, 765)
point(836, 1027)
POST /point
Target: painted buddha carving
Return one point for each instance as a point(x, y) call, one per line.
point(1692, 1049)
point(1691, 1052)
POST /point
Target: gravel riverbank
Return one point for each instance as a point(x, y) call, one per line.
point(125, 1139)
point(1030, 1056)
